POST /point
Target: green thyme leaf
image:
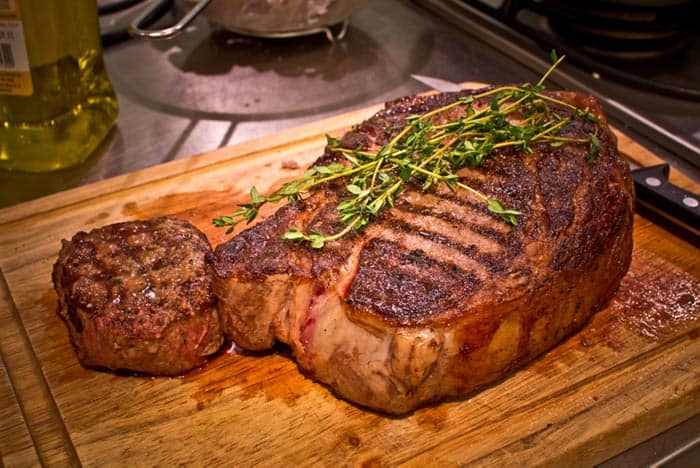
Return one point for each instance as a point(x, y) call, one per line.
point(593, 147)
point(553, 56)
point(354, 189)
point(293, 234)
point(317, 240)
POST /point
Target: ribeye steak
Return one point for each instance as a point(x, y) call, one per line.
point(437, 296)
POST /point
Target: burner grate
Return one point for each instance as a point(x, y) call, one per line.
point(649, 46)
point(630, 30)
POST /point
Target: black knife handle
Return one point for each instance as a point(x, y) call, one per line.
point(653, 187)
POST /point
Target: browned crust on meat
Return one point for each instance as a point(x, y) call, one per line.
point(571, 209)
point(138, 295)
point(437, 296)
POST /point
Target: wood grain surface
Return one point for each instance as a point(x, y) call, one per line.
point(631, 373)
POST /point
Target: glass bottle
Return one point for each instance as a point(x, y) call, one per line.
point(56, 101)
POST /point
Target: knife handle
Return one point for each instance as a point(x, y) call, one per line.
point(654, 189)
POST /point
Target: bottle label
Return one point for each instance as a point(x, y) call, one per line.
point(15, 75)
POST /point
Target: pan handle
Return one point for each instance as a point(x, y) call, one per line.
point(136, 27)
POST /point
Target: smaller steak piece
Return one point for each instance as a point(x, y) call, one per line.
point(138, 296)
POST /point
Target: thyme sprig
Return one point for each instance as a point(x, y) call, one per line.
point(428, 152)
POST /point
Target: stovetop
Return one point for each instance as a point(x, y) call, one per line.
point(651, 46)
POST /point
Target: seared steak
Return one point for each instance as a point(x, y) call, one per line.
point(438, 296)
point(138, 296)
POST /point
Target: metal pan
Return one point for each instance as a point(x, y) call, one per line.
point(261, 18)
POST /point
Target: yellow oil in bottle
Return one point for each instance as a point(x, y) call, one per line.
point(57, 108)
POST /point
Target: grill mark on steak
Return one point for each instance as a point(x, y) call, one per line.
point(468, 250)
point(473, 223)
point(494, 250)
point(436, 251)
point(494, 261)
point(498, 233)
point(483, 236)
point(407, 285)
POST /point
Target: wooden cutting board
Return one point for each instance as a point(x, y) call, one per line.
point(631, 373)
